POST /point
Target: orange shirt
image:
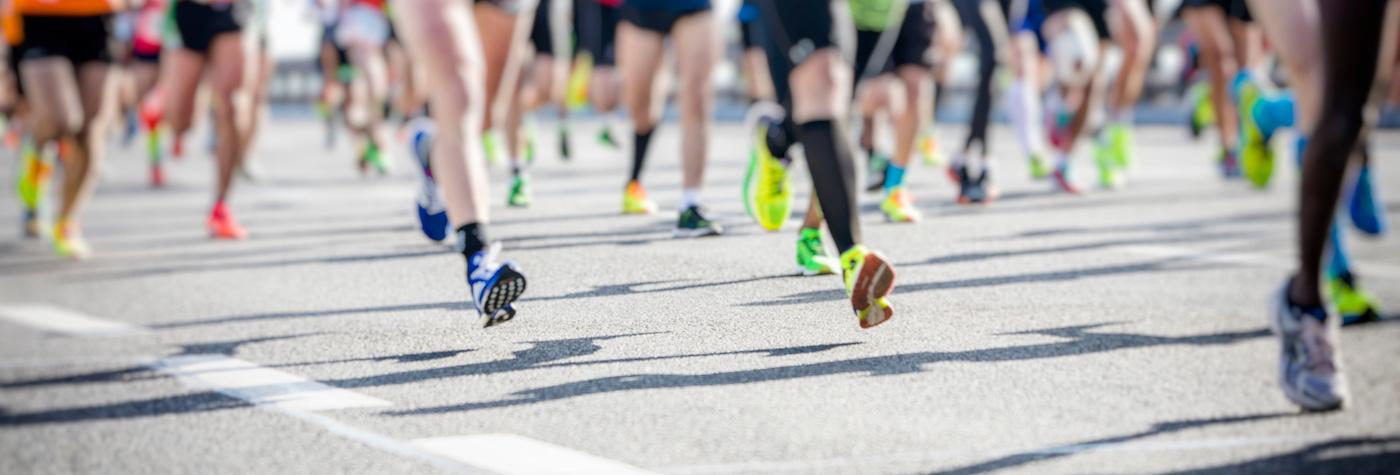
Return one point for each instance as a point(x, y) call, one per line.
point(9, 22)
point(64, 7)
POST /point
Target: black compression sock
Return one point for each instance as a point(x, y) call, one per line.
point(781, 136)
point(833, 179)
point(640, 141)
point(471, 239)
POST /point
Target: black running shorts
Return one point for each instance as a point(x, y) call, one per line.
point(659, 20)
point(80, 39)
point(1097, 10)
point(200, 23)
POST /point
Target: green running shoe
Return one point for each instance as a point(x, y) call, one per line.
point(811, 254)
point(605, 138)
point(767, 190)
point(1256, 156)
point(376, 159)
point(1109, 177)
point(519, 191)
point(692, 224)
point(869, 279)
point(1202, 111)
point(1039, 168)
point(1353, 304)
point(1120, 140)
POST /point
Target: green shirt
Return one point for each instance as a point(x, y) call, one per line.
point(876, 15)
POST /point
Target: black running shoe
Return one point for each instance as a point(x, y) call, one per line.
point(971, 190)
point(692, 224)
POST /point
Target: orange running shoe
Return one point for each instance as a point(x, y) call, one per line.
point(222, 225)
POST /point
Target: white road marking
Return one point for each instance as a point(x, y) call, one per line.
point(63, 321)
point(516, 454)
point(1252, 259)
point(261, 386)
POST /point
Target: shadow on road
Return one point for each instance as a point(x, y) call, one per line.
point(1353, 455)
point(1078, 340)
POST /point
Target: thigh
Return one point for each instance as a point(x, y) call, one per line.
point(696, 39)
point(95, 86)
point(639, 56)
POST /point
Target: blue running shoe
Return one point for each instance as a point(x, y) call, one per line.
point(495, 286)
point(1308, 365)
point(432, 210)
point(1364, 206)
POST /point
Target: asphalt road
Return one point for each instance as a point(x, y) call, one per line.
point(1117, 332)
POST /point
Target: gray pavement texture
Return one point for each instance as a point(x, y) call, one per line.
point(1116, 332)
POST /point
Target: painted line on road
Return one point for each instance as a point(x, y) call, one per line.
point(513, 454)
point(1250, 258)
point(260, 385)
point(62, 321)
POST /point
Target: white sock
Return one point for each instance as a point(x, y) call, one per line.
point(516, 166)
point(689, 197)
point(1024, 108)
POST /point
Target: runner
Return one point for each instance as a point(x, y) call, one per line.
point(988, 26)
point(1228, 47)
point(148, 28)
point(1134, 34)
point(363, 32)
point(1292, 26)
point(804, 56)
point(595, 23)
point(646, 24)
point(66, 72)
point(1351, 41)
point(443, 36)
point(336, 72)
point(543, 82)
point(36, 160)
point(898, 76)
point(1023, 101)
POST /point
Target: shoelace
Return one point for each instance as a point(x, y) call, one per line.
point(775, 177)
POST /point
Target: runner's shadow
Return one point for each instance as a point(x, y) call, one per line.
point(1075, 341)
point(646, 287)
point(1347, 455)
point(1164, 265)
point(144, 372)
point(447, 305)
point(105, 276)
point(1089, 246)
point(1188, 225)
point(1050, 453)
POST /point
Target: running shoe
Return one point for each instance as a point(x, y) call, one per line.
point(635, 201)
point(1352, 303)
point(157, 158)
point(1120, 144)
point(767, 190)
point(34, 176)
point(519, 191)
point(898, 207)
point(1108, 163)
point(578, 83)
point(1229, 165)
point(1364, 205)
point(972, 190)
point(1062, 180)
point(565, 152)
point(488, 146)
point(928, 149)
point(869, 279)
point(222, 225)
point(68, 242)
point(157, 175)
point(1202, 110)
point(1039, 168)
point(376, 159)
point(1256, 155)
point(877, 162)
point(1308, 362)
point(693, 224)
point(811, 254)
point(605, 138)
point(495, 286)
point(432, 209)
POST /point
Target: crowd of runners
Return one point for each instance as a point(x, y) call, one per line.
point(835, 82)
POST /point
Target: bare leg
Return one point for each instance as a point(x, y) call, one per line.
point(697, 43)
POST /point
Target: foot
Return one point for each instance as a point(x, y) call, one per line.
point(488, 146)
point(432, 209)
point(68, 243)
point(767, 190)
point(1352, 303)
point(377, 160)
point(972, 189)
point(898, 206)
point(33, 226)
point(928, 149)
point(693, 224)
point(1364, 205)
point(157, 175)
point(495, 286)
point(876, 179)
point(1062, 180)
point(605, 138)
point(564, 150)
point(1040, 169)
point(869, 279)
point(1107, 161)
point(1308, 370)
point(222, 225)
point(1120, 144)
point(811, 254)
point(1256, 155)
point(1229, 165)
point(34, 177)
point(635, 201)
point(519, 191)
point(1202, 111)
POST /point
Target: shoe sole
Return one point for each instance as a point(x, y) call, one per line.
point(873, 283)
point(682, 233)
point(498, 308)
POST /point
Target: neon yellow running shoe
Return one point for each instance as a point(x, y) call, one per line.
point(635, 201)
point(1256, 156)
point(811, 254)
point(1120, 141)
point(898, 206)
point(1353, 304)
point(1039, 168)
point(488, 145)
point(577, 95)
point(68, 243)
point(1107, 163)
point(767, 190)
point(1202, 110)
point(928, 149)
point(869, 279)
